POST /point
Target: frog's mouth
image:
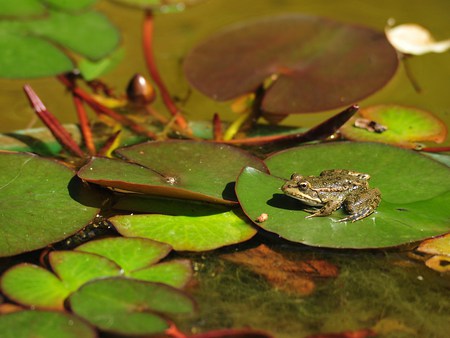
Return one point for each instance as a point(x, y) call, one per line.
point(306, 199)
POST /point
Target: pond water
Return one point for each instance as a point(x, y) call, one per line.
point(385, 289)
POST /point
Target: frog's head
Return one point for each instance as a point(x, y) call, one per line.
point(299, 187)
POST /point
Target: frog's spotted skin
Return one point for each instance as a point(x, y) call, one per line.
point(333, 189)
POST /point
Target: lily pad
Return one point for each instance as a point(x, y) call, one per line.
point(137, 258)
point(32, 48)
point(34, 286)
point(38, 203)
point(405, 126)
point(127, 306)
point(413, 207)
point(187, 233)
point(318, 63)
point(23, 8)
point(31, 323)
point(181, 169)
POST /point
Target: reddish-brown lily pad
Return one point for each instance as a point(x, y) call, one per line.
point(182, 169)
point(319, 63)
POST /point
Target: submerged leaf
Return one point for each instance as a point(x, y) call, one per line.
point(317, 63)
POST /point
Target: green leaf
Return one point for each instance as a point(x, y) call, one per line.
point(36, 47)
point(129, 253)
point(312, 63)
point(21, 8)
point(77, 268)
point(34, 286)
point(91, 70)
point(39, 203)
point(181, 169)
point(174, 273)
point(413, 207)
point(90, 34)
point(127, 306)
point(32, 323)
point(405, 126)
point(70, 5)
point(28, 56)
point(187, 232)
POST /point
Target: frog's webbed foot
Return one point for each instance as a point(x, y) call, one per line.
point(326, 210)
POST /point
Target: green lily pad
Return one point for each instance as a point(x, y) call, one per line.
point(30, 323)
point(23, 8)
point(37, 200)
point(318, 63)
point(32, 48)
point(129, 253)
point(32, 285)
point(70, 5)
point(405, 126)
point(181, 169)
point(187, 233)
point(176, 273)
point(127, 306)
point(413, 207)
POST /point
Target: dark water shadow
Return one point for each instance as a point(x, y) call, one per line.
point(88, 194)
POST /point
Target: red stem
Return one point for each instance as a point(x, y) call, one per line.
point(98, 107)
point(84, 125)
point(217, 128)
point(436, 149)
point(147, 42)
point(52, 123)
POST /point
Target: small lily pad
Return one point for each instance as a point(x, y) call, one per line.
point(181, 169)
point(187, 233)
point(314, 63)
point(137, 258)
point(413, 205)
point(31, 323)
point(405, 126)
point(129, 253)
point(32, 285)
point(37, 203)
point(127, 306)
point(34, 47)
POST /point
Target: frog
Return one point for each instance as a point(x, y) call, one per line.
point(333, 189)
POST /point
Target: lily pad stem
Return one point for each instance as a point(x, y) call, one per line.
point(147, 42)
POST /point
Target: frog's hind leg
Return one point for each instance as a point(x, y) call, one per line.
point(361, 205)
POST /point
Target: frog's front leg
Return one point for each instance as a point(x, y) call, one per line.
point(326, 210)
point(361, 205)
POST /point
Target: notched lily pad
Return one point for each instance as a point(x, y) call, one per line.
point(405, 126)
point(127, 306)
point(413, 205)
point(36, 203)
point(181, 169)
point(318, 63)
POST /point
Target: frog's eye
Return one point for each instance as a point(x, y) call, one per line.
point(303, 185)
